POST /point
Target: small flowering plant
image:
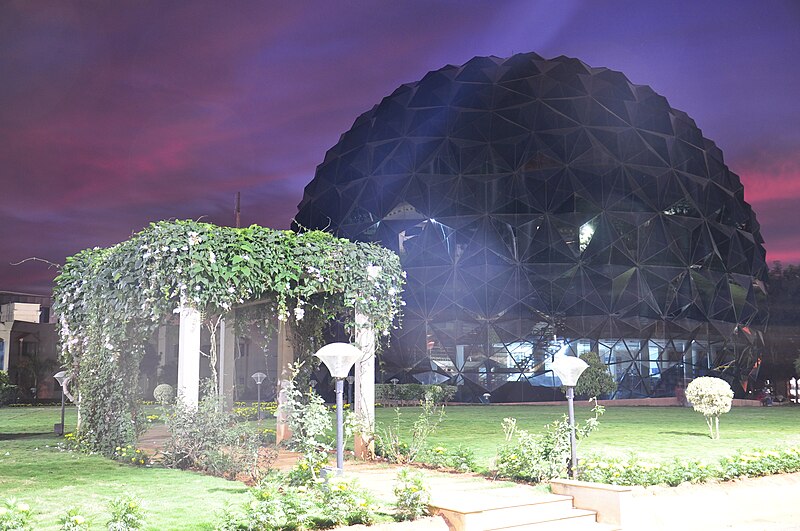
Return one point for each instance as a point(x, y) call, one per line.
point(15, 516)
point(413, 495)
point(127, 513)
point(73, 520)
point(131, 455)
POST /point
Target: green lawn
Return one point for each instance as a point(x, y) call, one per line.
point(33, 469)
point(660, 433)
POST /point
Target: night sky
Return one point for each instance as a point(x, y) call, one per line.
point(115, 114)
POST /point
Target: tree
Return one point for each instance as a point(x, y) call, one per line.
point(712, 397)
point(595, 380)
point(783, 334)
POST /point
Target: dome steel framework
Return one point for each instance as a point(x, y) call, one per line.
point(531, 198)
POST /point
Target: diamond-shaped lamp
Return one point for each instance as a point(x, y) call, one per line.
point(339, 358)
point(568, 369)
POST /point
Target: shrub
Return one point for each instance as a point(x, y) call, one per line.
point(275, 503)
point(413, 495)
point(131, 455)
point(542, 456)
point(7, 389)
point(415, 393)
point(390, 444)
point(127, 513)
point(595, 380)
point(712, 397)
point(345, 503)
point(309, 422)
point(164, 394)
point(634, 471)
point(461, 458)
point(15, 516)
point(210, 439)
point(245, 411)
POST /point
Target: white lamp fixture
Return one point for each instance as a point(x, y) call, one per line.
point(569, 369)
point(339, 358)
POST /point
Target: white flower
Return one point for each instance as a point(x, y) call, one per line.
point(373, 271)
point(194, 238)
point(392, 291)
point(212, 257)
point(282, 317)
point(231, 289)
point(299, 313)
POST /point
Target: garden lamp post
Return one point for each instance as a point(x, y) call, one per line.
point(350, 380)
point(259, 377)
point(339, 358)
point(61, 378)
point(569, 369)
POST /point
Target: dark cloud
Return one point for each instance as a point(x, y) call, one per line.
point(116, 114)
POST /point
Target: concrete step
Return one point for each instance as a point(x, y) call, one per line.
point(482, 511)
point(568, 523)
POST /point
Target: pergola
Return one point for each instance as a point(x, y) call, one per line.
point(110, 302)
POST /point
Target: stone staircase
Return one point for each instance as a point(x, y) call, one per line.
point(513, 510)
point(474, 503)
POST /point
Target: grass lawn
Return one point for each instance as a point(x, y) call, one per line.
point(660, 433)
point(33, 469)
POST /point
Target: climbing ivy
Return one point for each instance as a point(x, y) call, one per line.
point(110, 301)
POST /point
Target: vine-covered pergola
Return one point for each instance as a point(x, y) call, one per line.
point(111, 300)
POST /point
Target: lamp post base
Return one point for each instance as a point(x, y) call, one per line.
point(58, 429)
point(330, 472)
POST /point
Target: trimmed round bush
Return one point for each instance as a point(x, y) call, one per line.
point(164, 393)
point(712, 397)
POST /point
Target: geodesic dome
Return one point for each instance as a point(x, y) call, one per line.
point(530, 198)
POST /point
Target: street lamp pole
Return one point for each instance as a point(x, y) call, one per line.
point(61, 378)
point(569, 369)
point(259, 377)
point(339, 358)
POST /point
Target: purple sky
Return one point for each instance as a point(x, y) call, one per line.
point(115, 114)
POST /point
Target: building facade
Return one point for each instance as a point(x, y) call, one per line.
point(540, 205)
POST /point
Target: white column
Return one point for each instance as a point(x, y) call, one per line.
point(162, 348)
point(365, 385)
point(227, 364)
point(5, 338)
point(285, 359)
point(189, 356)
